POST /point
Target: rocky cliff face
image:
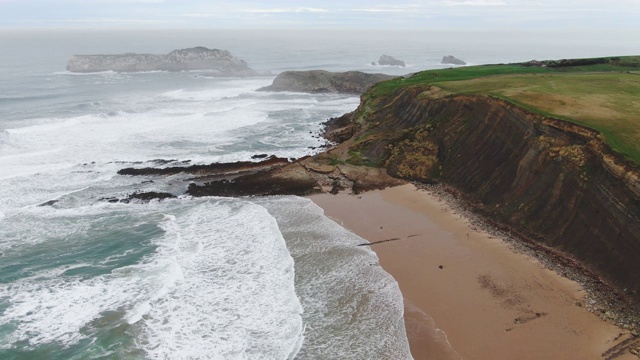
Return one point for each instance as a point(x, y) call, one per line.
point(320, 81)
point(218, 62)
point(552, 181)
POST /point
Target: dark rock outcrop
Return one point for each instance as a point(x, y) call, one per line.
point(216, 62)
point(339, 129)
point(391, 61)
point(140, 196)
point(210, 169)
point(304, 177)
point(49, 203)
point(289, 180)
point(450, 59)
point(320, 81)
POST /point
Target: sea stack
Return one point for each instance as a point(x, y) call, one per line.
point(217, 62)
point(391, 61)
point(450, 59)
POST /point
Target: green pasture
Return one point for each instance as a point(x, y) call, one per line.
point(603, 96)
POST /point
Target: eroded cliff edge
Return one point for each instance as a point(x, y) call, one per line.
point(551, 181)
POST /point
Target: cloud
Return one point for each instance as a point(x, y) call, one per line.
point(398, 9)
point(286, 10)
point(474, 3)
point(120, 21)
point(329, 13)
point(131, 1)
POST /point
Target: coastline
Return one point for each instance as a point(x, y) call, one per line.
point(519, 308)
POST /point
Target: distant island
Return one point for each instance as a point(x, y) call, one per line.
point(320, 81)
point(217, 62)
point(450, 59)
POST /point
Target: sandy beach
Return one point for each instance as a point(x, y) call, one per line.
point(467, 293)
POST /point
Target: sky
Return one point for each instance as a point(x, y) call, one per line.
point(399, 14)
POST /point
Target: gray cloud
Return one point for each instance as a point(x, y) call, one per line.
point(453, 14)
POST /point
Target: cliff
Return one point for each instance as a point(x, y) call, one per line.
point(320, 81)
point(218, 62)
point(552, 181)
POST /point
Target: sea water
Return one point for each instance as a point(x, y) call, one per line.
point(191, 278)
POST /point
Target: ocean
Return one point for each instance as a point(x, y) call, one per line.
point(196, 278)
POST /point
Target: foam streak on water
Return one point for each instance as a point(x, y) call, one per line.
point(235, 299)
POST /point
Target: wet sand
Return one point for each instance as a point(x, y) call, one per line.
point(466, 288)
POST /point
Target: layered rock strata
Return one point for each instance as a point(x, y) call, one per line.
point(552, 181)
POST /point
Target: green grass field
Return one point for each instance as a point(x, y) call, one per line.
point(603, 96)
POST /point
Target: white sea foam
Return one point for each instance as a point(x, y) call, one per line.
point(66, 72)
point(5, 137)
point(232, 90)
point(142, 127)
point(237, 298)
point(219, 284)
point(49, 125)
point(343, 290)
point(208, 291)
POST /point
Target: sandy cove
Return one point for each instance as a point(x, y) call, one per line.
point(482, 297)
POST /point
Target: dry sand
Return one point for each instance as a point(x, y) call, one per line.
point(482, 297)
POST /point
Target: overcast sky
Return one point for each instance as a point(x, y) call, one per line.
point(400, 14)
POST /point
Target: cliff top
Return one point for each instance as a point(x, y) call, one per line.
point(599, 93)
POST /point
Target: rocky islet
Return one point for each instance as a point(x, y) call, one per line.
point(214, 61)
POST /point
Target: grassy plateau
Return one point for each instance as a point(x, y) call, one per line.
point(602, 94)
